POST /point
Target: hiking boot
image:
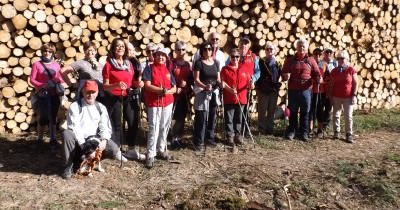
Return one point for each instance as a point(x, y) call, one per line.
point(304, 137)
point(120, 157)
point(320, 133)
point(176, 145)
point(135, 155)
point(336, 135)
point(68, 171)
point(349, 138)
point(53, 145)
point(230, 141)
point(290, 136)
point(149, 162)
point(211, 143)
point(38, 144)
point(238, 140)
point(198, 148)
point(162, 156)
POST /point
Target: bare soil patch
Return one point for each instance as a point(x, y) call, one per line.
point(321, 174)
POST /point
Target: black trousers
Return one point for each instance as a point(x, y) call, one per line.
point(129, 114)
point(204, 126)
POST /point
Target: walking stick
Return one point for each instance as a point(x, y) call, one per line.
point(247, 111)
point(208, 93)
point(315, 111)
point(122, 125)
point(245, 119)
point(223, 115)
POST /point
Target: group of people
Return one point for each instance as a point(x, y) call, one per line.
point(110, 96)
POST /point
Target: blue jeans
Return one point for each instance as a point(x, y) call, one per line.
point(299, 100)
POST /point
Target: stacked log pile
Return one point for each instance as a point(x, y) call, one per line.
point(369, 30)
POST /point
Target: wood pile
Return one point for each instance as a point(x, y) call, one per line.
point(368, 29)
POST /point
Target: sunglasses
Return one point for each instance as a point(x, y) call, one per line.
point(269, 49)
point(208, 48)
point(328, 52)
point(215, 39)
point(339, 58)
point(182, 49)
point(235, 56)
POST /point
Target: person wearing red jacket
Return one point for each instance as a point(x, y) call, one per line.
point(236, 81)
point(302, 70)
point(159, 89)
point(343, 93)
point(118, 77)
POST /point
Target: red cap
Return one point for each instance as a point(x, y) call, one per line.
point(91, 85)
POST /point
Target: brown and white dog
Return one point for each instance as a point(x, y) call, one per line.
point(91, 158)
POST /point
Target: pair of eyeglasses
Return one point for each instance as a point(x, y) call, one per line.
point(235, 56)
point(215, 39)
point(182, 49)
point(120, 46)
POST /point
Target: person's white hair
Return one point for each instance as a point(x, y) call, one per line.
point(343, 54)
point(179, 45)
point(212, 34)
point(304, 42)
point(272, 46)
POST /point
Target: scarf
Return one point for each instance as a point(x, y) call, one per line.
point(124, 67)
point(46, 60)
point(93, 62)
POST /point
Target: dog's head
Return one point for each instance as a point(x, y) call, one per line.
point(89, 147)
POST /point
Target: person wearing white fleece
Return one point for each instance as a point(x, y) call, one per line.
point(87, 118)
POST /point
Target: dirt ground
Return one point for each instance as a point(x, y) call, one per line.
point(272, 174)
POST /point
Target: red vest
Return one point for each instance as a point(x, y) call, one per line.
point(247, 62)
point(160, 77)
point(238, 78)
point(342, 83)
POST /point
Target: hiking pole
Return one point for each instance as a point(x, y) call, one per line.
point(245, 118)
point(122, 125)
point(223, 114)
point(315, 111)
point(189, 110)
point(247, 107)
point(208, 94)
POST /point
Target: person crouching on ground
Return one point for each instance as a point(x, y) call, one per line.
point(159, 86)
point(235, 81)
point(343, 92)
point(87, 118)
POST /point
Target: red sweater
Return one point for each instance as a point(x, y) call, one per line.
point(342, 83)
point(302, 70)
point(238, 78)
